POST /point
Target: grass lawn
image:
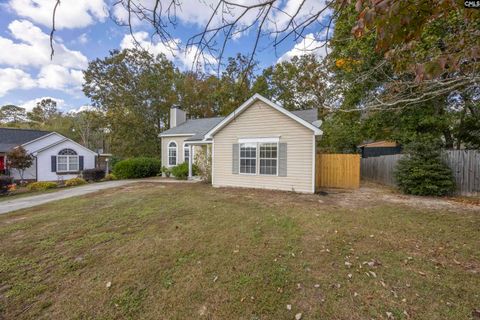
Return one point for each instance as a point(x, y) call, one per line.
point(189, 251)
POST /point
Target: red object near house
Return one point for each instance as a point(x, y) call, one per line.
point(2, 163)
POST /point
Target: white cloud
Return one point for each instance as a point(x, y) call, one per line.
point(172, 50)
point(60, 78)
point(33, 48)
point(32, 52)
point(11, 78)
point(29, 105)
point(311, 44)
point(83, 108)
point(70, 14)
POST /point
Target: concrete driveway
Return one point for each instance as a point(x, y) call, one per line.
point(28, 202)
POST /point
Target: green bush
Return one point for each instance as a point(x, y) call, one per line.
point(141, 167)
point(166, 171)
point(181, 171)
point(95, 174)
point(42, 185)
point(423, 172)
point(110, 177)
point(75, 182)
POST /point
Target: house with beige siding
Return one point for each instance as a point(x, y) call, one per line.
point(259, 145)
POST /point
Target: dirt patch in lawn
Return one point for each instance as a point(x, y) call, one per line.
point(369, 195)
point(372, 195)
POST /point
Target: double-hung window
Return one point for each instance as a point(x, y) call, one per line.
point(248, 158)
point(259, 157)
point(67, 161)
point(268, 158)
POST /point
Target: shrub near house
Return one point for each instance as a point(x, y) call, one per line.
point(141, 167)
point(181, 171)
point(42, 185)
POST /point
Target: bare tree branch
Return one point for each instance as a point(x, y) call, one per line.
point(52, 50)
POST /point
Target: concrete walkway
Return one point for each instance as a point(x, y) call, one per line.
point(32, 201)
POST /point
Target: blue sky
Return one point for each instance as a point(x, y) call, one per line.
point(85, 31)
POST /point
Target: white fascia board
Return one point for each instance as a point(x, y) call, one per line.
point(198, 142)
point(248, 103)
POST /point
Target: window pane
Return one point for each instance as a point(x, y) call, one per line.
point(172, 156)
point(186, 154)
point(248, 158)
point(73, 163)
point(268, 158)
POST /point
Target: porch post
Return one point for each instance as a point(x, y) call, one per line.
point(190, 156)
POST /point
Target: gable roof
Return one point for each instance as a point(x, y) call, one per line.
point(65, 139)
point(12, 137)
point(197, 129)
point(297, 116)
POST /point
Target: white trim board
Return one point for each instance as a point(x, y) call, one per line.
point(248, 103)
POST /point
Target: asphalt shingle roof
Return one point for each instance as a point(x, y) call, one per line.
point(309, 115)
point(199, 127)
point(12, 137)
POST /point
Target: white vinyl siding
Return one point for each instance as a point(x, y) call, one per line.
point(261, 120)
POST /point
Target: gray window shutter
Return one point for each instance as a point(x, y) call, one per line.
point(235, 158)
point(282, 159)
point(80, 163)
point(54, 163)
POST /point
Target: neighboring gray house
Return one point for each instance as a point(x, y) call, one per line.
point(55, 156)
point(259, 145)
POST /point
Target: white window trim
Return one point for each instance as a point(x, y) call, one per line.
point(68, 163)
point(258, 141)
point(168, 154)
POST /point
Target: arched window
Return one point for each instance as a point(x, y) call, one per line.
point(67, 161)
point(172, 153)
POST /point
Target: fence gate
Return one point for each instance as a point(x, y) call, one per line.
point(338, 171)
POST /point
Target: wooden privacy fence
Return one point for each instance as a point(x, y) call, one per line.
point(465, 165)
point(380, 169)
point(338, 171)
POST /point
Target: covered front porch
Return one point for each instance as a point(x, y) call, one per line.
point(201, 156)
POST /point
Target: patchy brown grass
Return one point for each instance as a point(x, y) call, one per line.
point(190, 251)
